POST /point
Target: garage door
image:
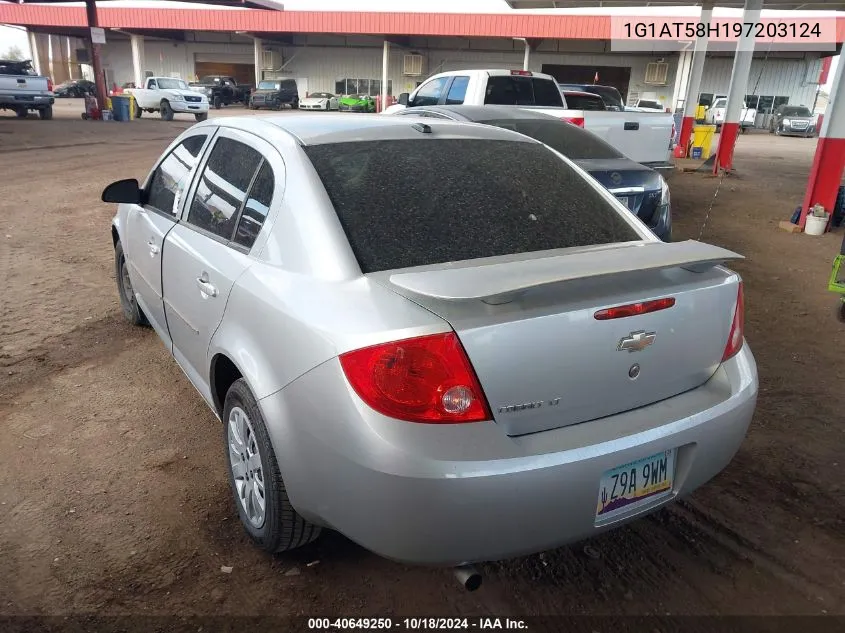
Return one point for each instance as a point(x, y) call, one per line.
point(243, 73)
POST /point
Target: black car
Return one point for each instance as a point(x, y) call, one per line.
point(222, 90)
point(639, 188)
point(275, 94)
point(611, 96)
point(75, 89)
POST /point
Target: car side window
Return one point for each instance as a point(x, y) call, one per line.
point(151, 84)
point(173, 174)
point(223, 187)
point(256, 208)
point(429, 93)
point(457, 91)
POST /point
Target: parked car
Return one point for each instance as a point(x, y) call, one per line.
point(506, 346)
point(645, 137)
point(649, 105)
point(792, 121)
point(169, 96)
point(611, 96)
point(22, 89)
point(641, 189)
point(275, 94)
point(320, 101)
point(222, 90)
point(583, 100)
point(715, 115)
point(357, 103)
point(78, 89)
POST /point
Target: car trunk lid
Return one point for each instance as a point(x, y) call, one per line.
point(542, 357)
point(637, 187)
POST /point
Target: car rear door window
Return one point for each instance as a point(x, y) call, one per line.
point(480, 198)
point(256, 208)
point(430, 93)
point(522, 90)
point(223, 187)
point(457, 91)
point(173, 174)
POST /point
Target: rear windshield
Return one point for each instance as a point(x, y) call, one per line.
point(584, 102)
point(796, 111)
point(520, 90)
point(405, 203)
point(649, 104)
point(269, 85)
point(570, 140)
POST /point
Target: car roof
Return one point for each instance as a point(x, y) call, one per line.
point(483, 113)
point(580, 93)
point(311, 129)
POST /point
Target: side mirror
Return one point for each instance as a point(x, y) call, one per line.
point(123, 191)
point(404, 99)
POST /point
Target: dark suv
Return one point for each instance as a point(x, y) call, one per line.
point(792, 120)
point(275, 94)
point(611, 96)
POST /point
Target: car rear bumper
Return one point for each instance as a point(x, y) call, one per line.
point(455, 494)
point(30, 101)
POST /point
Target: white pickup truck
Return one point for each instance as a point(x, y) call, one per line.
point(169, 96)
point(644, 137)
point(716, 115)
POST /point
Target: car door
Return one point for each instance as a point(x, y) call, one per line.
point(148, 224)
point(207, 252)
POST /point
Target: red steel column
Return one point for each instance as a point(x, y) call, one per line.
point(99, 78)
point(694, 86)
point(739, 85)
point(829, 161)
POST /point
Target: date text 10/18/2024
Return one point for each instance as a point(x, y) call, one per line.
point(417, 624)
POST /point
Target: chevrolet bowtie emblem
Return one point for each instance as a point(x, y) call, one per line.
point(636, 341)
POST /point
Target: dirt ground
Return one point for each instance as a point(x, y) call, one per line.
point(113, 493)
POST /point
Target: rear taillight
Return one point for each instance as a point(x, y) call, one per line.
point(633, 309)
point(522, 73)
point(426, 379)
point(672, 138)
point(575, 120)
point(735, 338)
point(49, 85)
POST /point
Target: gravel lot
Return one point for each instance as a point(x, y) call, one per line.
point(112, 483)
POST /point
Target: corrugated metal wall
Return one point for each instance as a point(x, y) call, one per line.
point(327, 58)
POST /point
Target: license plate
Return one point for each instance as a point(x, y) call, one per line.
point(628, 487)
point(623, 200)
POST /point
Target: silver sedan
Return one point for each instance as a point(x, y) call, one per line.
point(444, 340)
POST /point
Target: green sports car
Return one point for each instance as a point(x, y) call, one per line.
point(357, 103)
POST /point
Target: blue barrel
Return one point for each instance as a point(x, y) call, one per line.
point(120, 108)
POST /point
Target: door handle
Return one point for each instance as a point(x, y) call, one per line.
point(154, 249)
point(206, 288)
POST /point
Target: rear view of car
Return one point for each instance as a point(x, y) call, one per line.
point(504, 362)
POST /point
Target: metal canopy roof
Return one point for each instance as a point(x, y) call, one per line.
point(239, 4)
point(819, 5)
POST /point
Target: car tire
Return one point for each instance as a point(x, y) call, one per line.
point(278, 527)
point(217, 103)
point(201, 116)
point(166, 111)
point(138, 112)
point(46, 113)
point(21, 113)
point(128, 303)
point(840, 311)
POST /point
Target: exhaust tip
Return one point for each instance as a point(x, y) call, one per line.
point(469, 577)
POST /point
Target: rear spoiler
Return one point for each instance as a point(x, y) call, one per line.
point(498, 282)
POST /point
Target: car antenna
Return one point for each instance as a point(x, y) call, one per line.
point(422, 127)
